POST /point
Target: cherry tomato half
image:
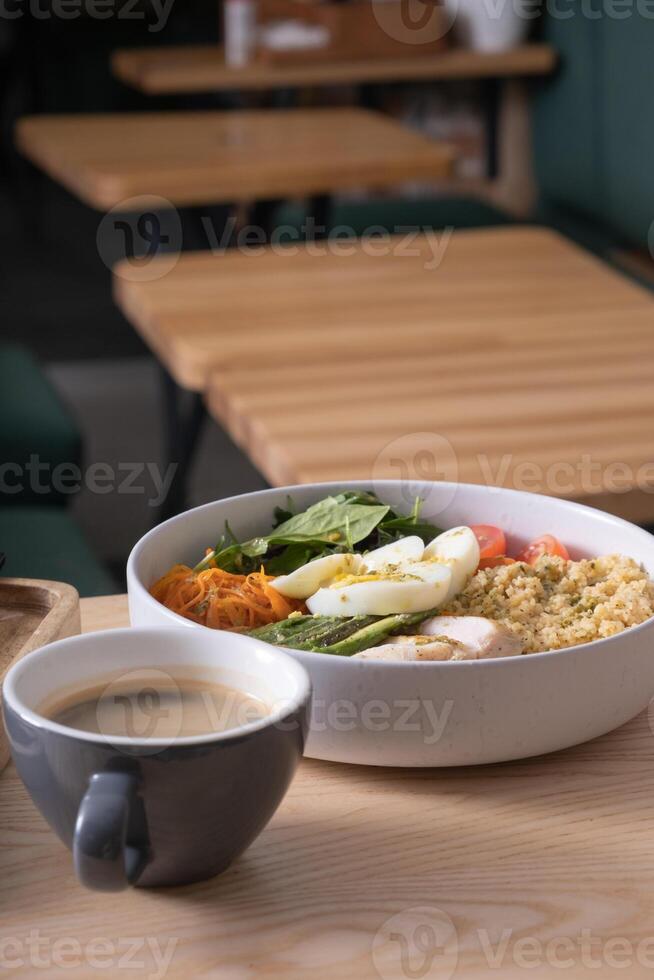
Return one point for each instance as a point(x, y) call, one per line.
point(491, 540)
point(495, 561)
point(547, 544)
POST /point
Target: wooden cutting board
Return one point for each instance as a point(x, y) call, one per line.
point(33, 612)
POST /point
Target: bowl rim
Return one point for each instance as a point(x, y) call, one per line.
point(134, 582)
point(279, 715)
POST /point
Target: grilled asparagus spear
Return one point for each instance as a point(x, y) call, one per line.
point(338, 635)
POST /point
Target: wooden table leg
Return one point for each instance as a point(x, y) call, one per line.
point(262, 216)
point(320, 208)
point(492, 112)
point(515, 185)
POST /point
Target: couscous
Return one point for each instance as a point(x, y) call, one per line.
point(557, 603)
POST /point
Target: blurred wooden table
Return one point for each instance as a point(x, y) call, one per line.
point(202, 68)
point(218, 157)
point(533, 359)
point(543, 866)
point(506, 104)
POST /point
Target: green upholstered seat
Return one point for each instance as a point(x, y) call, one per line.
point(45, 542)
point(394, 214)
point(35, 423)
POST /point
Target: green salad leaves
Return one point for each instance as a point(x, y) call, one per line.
point(349, 521)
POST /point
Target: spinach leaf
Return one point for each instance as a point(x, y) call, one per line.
point(280, 514)
point(332, 524)
point(347, 521)
point(255, 547)
point(395, 526)
point(327, 520)
point(402, 527)
point(294, 556)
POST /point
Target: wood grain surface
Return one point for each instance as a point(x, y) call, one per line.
point(412, 294)
point(202, 68)
point(215, 157)
point(32, 612)
point(509, 871)
point(532, 358)
point(553, 417)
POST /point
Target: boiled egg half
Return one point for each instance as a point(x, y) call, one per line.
point(309, 578)
point(457, 548)
point(391, 589)
point(401, 577)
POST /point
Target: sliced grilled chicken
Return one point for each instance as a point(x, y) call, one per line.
point(482, 637)
point(414, 648)
point(449, 638)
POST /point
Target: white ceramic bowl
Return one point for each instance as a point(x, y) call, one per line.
point(441, 714)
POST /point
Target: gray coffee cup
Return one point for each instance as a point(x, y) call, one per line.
point(156, 811)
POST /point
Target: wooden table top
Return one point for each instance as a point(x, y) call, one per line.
point(202, 68)
point(215, 157)
point(520, 349)
point(505, 869)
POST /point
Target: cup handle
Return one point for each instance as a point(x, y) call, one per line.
point(103, 858)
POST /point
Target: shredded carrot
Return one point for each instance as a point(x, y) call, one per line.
point(222, 600)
